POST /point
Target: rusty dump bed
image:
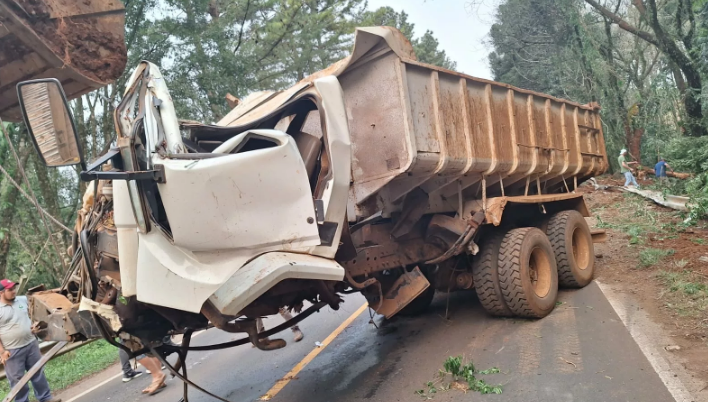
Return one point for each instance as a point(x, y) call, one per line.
point(414, 125)
point(79, 42)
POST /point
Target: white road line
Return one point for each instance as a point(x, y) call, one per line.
point(649, 339)
point(99, 385)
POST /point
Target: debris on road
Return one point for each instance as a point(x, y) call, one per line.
point(672, 348)
point(463, 379)
point(569, 362)
point(677, 202)
point(318, 344)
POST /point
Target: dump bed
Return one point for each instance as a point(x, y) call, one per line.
point(81, 43)
point(415, 125)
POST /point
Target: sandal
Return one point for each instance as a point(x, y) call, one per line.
point(156, 386)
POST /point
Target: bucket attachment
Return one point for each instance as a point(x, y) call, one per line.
point(81, 43)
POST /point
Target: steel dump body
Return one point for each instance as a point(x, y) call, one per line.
point(80, 43)
point(415, 125)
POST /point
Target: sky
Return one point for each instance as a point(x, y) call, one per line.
point(460, 28)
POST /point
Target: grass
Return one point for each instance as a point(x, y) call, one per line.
point(687, 293)
point(652, 256)
point(67, 369)
point(636, 220)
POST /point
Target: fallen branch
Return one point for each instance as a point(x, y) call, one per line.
point(682, 176)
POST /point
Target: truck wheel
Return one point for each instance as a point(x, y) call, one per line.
point(527, 272)
point(572, 245)
point(486, 276)
point(420, 303)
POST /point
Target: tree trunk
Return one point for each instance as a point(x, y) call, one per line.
point(635, 143)
point(8, 212)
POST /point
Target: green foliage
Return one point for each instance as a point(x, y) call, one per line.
point(652, 256)
point(426, 47)
point(387, 16)
point(463, 377)
point(567, 49)
point(687, 292)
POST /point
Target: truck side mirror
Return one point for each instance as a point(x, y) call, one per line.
point(49, 122)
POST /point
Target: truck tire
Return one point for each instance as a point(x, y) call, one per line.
point(527, 272)
point(486, 276)
point(420, 303)
point(573, 247)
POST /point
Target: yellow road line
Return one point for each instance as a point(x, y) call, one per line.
point(310, 356)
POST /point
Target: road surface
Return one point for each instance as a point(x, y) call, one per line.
point(581, 352)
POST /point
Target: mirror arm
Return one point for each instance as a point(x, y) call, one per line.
point(93, 172)
point(102, 159)
point(158, 175)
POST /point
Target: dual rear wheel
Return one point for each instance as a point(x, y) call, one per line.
point(517, 272)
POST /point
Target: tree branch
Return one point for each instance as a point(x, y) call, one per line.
point(285, 32)
point(622, 23)
point(243, 23)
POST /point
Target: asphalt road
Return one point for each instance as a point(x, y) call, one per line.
point(581, 352)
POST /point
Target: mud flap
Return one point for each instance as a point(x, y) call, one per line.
point(406, 288)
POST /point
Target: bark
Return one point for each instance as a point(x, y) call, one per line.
point(633, 134)
point(635, 143)
point(682, 176)
point(9, 212)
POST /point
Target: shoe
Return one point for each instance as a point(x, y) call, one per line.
point(298, 335)
point(131, 375)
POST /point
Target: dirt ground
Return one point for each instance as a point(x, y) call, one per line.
point(662, 262)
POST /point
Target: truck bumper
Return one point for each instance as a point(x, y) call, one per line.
point(265, 271)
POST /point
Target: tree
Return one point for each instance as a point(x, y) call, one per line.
point(303, 37)
point(559, 48)
point(426, 47)
point(672, 32)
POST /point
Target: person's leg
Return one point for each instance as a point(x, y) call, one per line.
point(297, 334)
point(14, 370)
point(125, 362)
point(158, 377)
point(627, 178)
point(634, 181)
point(39, 381)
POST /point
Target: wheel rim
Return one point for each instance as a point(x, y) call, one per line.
point(540, 272)
point(581, 248)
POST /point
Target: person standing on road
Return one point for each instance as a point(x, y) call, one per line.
point(128, 372)
point(153, 366)
point(19, 349)
point(626, 170)
point(297, 334)
point(660, 168)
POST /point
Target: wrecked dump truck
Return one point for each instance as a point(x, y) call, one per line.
point(380, 175)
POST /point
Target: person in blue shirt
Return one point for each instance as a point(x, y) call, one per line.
point(660, 168)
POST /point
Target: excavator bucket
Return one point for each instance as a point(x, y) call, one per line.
point(79, 42)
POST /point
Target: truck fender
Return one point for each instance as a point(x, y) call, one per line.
point(264, 272)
